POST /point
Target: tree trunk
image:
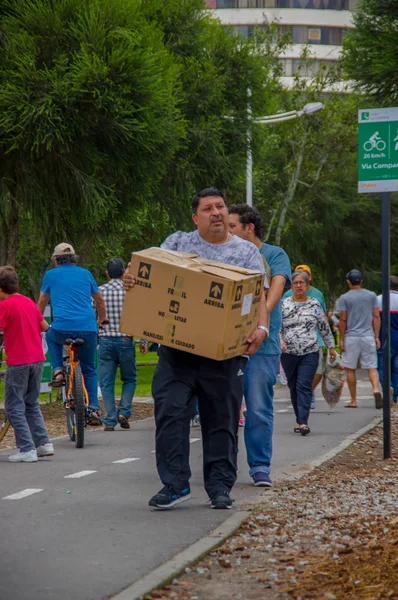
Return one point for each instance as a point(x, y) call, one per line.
point(10, 226)
point(84, 252)
point(288, 197)
point(13, 229)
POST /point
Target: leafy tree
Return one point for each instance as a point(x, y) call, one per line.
point(217, 69)
point(306, 188)
point(370, 51)
point(89, 116)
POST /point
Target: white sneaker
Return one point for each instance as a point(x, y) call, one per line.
point(45, 450)
point(30, 456)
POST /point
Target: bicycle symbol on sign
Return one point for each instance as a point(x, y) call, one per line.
point(374, 142)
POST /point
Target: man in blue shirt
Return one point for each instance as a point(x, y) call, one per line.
point(262, 369)
point(70, 288)
point(394, 336)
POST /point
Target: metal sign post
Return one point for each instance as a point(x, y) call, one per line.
point(386, 331)
point(378, 172)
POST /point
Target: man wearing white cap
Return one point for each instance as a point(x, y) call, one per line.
point(70, 288)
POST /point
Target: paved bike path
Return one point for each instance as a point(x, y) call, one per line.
point(91, 535)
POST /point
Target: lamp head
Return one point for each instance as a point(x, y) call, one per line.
point(312, 107)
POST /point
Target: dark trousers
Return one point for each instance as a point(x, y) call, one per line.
point(218, 386)
point(300, 371)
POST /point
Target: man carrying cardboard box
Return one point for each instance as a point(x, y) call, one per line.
point(180, 376)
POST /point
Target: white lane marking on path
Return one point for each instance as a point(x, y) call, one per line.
point(124, 460)
point(78, 474)
point(283, 410)
point(23, 494)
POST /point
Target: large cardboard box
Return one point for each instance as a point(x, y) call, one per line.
point(191, 304)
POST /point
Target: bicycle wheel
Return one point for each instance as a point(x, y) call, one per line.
point(80, 406)
point(69, 412)
point(4, 427)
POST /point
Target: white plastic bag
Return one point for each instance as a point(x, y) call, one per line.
point(44, 342)
point(333, 381)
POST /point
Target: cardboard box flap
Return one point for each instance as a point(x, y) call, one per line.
point(223, 273)
point(214, 263)
point(167, 256)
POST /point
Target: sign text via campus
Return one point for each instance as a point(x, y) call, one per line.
point(378, 150)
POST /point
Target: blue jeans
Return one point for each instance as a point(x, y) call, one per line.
point(86, 354)
point(394, 369)
point(22, 388)
point(113, 352)
point(300, 371)
point(259, 381)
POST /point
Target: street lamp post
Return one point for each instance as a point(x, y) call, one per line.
point(287, 116)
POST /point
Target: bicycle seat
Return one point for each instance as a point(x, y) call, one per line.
point(76, 342)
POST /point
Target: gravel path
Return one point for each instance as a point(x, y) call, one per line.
point(331, 535)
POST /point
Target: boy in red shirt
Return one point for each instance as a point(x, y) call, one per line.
point(22, 324)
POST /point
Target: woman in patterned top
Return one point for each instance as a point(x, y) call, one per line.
point(301, 315)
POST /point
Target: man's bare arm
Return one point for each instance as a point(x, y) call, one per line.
point(259, 335)
point(342, 328)
point(275, 291)
point(44, 325)
point(100, 306)
point(44, 299)
point(376, 326)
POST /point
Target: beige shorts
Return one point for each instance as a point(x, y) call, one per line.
point(361, 349)
point(321, 364)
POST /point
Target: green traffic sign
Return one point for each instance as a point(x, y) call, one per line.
point(378, 150)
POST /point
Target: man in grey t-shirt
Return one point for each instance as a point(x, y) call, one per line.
point(359, 334)
point(218, 385)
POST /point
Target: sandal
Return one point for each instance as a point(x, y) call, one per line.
point(297, 429)
point(304, 430)
point(58, 379)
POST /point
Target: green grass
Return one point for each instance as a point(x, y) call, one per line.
point(144, 376)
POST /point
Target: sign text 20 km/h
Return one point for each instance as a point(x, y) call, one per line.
point(378, 150)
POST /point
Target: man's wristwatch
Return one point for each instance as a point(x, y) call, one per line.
point(264, 328)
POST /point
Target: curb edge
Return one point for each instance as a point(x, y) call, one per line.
point(171, 568)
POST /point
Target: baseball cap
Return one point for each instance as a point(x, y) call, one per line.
point(354, 276)
point(62, 249)
point(303, 268)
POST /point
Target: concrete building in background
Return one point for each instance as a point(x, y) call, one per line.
point(321, 23)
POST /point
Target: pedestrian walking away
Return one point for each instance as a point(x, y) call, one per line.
point(70, 289)
point(301, 317)
point(262, 369)
point(22, 324)
point(359, 335)
point(116, 349)
point(313, 292)
point(218, 385)
point(393, 337)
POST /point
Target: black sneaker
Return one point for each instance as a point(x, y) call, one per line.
point(169, 496)
point(221, 500)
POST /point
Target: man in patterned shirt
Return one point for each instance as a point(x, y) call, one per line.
point(116, 349)
point(218, 385)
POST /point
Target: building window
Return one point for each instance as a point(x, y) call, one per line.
point(294, 66)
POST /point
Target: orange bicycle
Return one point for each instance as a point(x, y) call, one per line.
point(74, 394)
